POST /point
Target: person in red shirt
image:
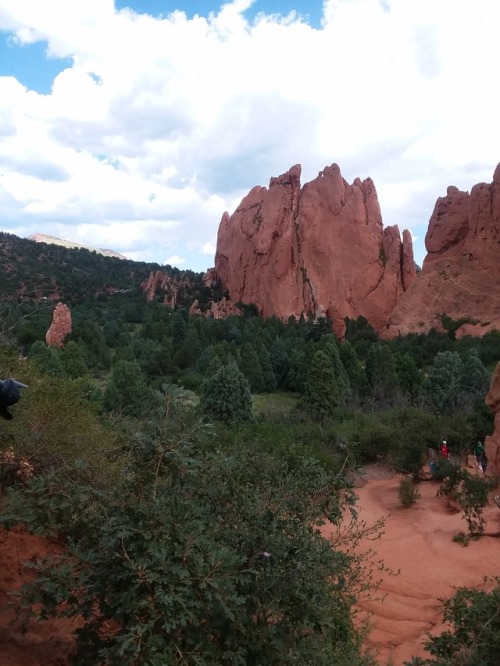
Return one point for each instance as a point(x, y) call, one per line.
point(443, 450)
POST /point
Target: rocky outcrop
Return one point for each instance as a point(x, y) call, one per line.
point(461, 273)
point(492, 443)
point(320, 248)
point(60, 327)
point(217, 310)
point(170, 287)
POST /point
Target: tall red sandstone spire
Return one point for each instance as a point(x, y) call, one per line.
point(319, 248)
point(60, 327)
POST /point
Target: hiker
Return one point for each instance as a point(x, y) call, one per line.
point(9, 395)
point(479, 453)
point(443, 450)
point(484, 462)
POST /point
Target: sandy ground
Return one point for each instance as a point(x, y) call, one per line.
point(417, 543)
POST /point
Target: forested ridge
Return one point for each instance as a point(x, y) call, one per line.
point(186, 462)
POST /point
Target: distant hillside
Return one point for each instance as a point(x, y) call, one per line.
point(44, 238)
point(38, 270)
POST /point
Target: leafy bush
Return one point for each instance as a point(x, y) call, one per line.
point(408, 492)
point(197, 556)
point(474, 635)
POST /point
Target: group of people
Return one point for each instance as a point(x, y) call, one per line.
point(444, 454)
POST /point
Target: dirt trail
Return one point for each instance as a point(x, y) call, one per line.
point(417, 542)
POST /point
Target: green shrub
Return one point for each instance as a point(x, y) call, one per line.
point(198, 555)
point(408, 492)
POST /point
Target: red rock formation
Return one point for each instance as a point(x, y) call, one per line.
point(60, 327)
point(171, 286)
point(321, 248)
point(461, 272)
point(492, 444)
point(220, 310)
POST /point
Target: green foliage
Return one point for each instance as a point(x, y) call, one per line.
point(408, 492)
point(473, 638)
point(55, 421)
point(225, 396)
point(73, 360)
point(198, 556)
point(382, 374)
point(250, 367)
point(321, 393)
point(455, 383)
point(47, 359)
point(470, 491)
point(279, 360)
point(127, 391)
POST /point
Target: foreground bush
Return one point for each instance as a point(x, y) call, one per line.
point(197, 556)
point(474, 634)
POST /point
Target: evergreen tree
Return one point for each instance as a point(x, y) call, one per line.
point(73, 360)
point(475, 379)
point(226, 395)
point(205, 358)
point(321, 393)
point(409, 376)
point(382, 374)
point(331, 349)
point(279, 360)
point(126, 390)
point(234, 335)
point(47, 359)
point(354, 370)
point(178, 327)
point(441, 390)
point(268, 376)
point(189, 350)
point(297, 371)
point(250, 367)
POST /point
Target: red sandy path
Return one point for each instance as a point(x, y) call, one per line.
point(417, 541)
point(46, 644)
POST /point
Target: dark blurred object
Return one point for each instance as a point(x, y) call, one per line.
point(9, 395)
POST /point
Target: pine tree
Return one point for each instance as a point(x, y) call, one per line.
point(268, 376)
point(321, 393)
point(226, 395)
point(250, 367)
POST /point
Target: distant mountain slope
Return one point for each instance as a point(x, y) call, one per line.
point(44, 238)
point(35, 270)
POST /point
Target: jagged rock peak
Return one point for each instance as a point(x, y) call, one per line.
point(319, 248)
point(460, 275)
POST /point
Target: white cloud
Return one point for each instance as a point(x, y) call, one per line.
point(175, 260)
point(162, 124)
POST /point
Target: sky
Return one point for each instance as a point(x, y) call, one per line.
point(134, 124)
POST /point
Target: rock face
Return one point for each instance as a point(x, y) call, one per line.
point(461, 273)
point(320, 249)
point(218, 310)
point(170, 287)
point(60, 327)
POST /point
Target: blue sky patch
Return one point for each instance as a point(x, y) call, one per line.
point(29, 64)
point(310, 9)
